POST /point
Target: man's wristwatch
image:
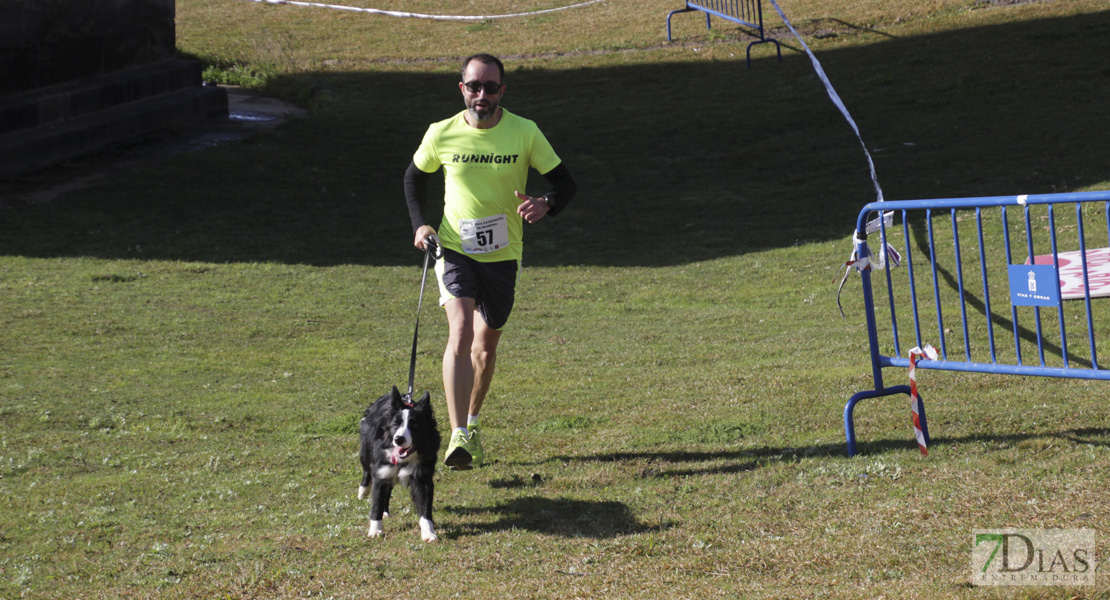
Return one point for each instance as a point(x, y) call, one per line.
point(549, 202)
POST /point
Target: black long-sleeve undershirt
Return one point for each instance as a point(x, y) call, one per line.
point(416, 194)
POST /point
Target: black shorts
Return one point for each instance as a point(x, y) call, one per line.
point(492, 285)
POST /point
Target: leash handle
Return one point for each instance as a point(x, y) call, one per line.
point(431, 248)
point(432, 241)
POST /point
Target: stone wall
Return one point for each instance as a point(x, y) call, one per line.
point(79, 75)
point(44, 42)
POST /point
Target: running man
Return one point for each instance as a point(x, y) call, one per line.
point(485, 153)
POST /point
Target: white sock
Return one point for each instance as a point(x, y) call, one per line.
point(471, 420)
point(462, 429)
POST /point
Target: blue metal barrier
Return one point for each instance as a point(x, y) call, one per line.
point(745, 12)
point(933, 226)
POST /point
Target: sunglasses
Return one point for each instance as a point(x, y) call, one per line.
point(474, 87)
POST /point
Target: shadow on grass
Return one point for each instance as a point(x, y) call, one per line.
point(674, 464)
point(1087, 435)
point(558, 516)
point(677, 162)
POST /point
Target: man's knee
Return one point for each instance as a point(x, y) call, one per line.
point(460, 342)
point(483, 351)
point(483, 355)
point(460, 322)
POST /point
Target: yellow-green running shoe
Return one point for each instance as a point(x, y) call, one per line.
point(476, 450)
point(458, 456)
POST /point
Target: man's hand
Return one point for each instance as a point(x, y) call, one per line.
point(422, 234)
point(532, 209)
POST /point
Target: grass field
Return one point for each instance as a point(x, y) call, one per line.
point(186, 347)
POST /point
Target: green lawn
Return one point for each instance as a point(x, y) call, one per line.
point(186, 347)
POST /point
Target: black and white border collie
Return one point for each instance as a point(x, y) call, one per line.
point(398, 443)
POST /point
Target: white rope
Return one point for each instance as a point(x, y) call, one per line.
point(409, 15)
point(860, 263)
point(835, 98)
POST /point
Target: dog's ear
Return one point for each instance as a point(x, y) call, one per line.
point(424, 406)
point(396, 397)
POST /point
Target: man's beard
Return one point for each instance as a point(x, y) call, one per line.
point(484, 112)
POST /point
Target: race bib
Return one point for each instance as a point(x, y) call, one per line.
point(484, 235)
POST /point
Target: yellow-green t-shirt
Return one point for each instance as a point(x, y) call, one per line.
point(482, 168)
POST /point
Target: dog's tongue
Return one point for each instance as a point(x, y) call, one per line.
point(397, 454)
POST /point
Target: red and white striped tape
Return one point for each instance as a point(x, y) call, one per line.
point(930, 353)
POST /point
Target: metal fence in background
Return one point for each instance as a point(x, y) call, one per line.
point(1007, 285)
point(748, 13)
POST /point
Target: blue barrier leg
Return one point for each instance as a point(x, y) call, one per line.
point(778, 48)
point(675, 12)
point(849, 425)
point(849, 409)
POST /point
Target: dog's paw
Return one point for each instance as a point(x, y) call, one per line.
point(362, 491)
point(375, 529)
point(427, 531)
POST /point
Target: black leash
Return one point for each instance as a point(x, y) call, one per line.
point(431, 248)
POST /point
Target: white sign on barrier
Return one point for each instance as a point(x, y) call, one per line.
point(1033, 285)
point(1071, 272)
